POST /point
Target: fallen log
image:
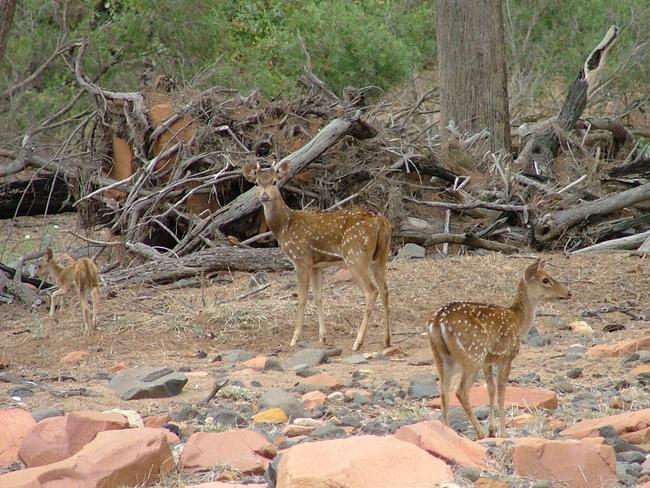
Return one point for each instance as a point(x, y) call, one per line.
point(204, 261)
point(552, 225)
point(471, 240)
point(536, 156)
point(36, 196)
point(630, 242)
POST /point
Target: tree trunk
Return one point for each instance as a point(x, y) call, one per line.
point(472, 69)
point(7, 9)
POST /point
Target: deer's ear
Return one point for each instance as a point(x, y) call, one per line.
point(540, 264)
point(282, 169)
point(249, 172)
point(531, 271)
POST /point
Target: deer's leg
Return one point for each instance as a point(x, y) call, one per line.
point(55, 295)
point(83, 299)
point(502, 379)
point(466, 381)
point(445, 368)
point(302, 278)
point(362, 276)
point(379, 274)
point(95, 298)
point(317, 287)
point(489, 380)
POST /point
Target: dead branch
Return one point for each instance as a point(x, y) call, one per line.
point(630, 242)
point(552, 225)
point(542, 146)
point(474, 204)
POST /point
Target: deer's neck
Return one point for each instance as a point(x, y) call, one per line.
point(278, 215)
point(55, 270)
point(524, 307)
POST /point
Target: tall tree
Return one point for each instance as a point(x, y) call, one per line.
point(472, 69)
point(7, 9)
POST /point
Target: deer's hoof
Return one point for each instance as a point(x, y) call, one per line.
point(356, 346)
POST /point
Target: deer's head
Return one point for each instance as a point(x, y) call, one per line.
point(266, 179)
point(542, 285)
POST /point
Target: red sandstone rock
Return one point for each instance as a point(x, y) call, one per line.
point(156, 420)
point(247, 451)
point(76, 356)
point(441, 441)
point(586, 463)
point(323, 381)
point(360, 462)
point(257, 363)
point(623, 423)
point(113, 459)
point(15, 424)
point(620, 348)
point(57, 438)
point(515, 397)
point(313, 399)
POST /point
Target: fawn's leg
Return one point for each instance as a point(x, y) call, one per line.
point(379, 274)
point(83, 299)
point(55, 295)
point(489, 380)
point(502, 379)
point(445, 373)
point(302, 277)
point(95, 299)
point(317, 287)
point(361, 275)
point(466, 381)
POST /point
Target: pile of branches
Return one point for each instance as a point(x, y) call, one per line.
point(185, 211)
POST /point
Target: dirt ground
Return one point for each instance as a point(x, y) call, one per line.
point(164, 326)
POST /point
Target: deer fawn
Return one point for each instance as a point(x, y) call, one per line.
point(472, 336)
point(79, 277)
point(313, 240)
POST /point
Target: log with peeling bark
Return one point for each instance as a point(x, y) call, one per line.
point(538, 152)
point(629, 242)
point(34, 197)
point(552, 225)
point(204, 261)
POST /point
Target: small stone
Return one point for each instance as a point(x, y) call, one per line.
point(322, 382)
point(422, 360)
point(21, 392)
point(281, 399)
point(468, 473)
point(46, 413)
point(411, 251)
point(138, 383)
point(305, 371)
point(327, 431)
point(541, 484)
point(574, 373)
point(394, 352)
point(76, 356)
point(342, 276)
point(227, 418)
point(564, 387)
point(355, 359)
point(632, 457)
point(307, 357)
point(522, 420)
point(234, 356)
point(313, 399)
point(482, 412)
point(525, 379)
point(271, 416)
point(423, 387)
point(630, 358)
point(582, 328)
point(121, 366)
point(644, 356)
point(336, 397)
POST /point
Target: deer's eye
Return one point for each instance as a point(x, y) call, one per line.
point(275, 183)
point(546, 281)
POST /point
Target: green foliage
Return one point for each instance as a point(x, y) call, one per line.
point(257, 44)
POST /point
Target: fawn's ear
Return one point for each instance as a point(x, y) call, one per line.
point(531, 271)
point(282, 169)
point(249, 172)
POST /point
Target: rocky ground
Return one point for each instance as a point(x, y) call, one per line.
point(579, 394)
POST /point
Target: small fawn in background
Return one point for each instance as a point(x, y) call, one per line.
point(313, 240)
point(468, 337)
point(79, 278)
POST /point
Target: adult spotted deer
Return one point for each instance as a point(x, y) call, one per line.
point(313, 240)
point(468, 337)
point(80, 278)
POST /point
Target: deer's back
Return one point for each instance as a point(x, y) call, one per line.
point(478, 331)
point(86, 274)
point(333, 236)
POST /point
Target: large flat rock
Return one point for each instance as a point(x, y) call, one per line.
point(137, 383)
point(525, 398)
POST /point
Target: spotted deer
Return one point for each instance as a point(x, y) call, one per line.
point(467, 337)
point(313, 240)
point(79, 278)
